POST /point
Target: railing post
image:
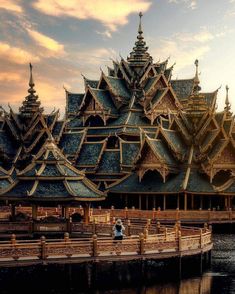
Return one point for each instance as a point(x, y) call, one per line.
point(43, 248)
point(158, 227)
point(94, 227)
point(141, 238)
point(126, 213)
point(66, 237)
point(209, 214)
point(13, 239)
point(179, 241)
point(165, 233)
point(128, 227)
point(230, 214)
point(148, 223)
point(201, 239)
point(154, 213)
point(146, 233)
point(158, 212)
point(95, 248)
point(177, 214)
point(69, 224)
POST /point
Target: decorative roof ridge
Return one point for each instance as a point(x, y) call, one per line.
point(190, 158)
point(189, 79)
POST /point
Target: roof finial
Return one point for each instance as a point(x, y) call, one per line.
point(140, 26)
point(227, 104)
point(31, 82)
point(197, 88)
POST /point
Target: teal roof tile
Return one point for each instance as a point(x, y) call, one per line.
point(182, 88)
point(74, 102)
point(89, 153)
point(70, 142)
point(110, 162)
point(162, 150)
point(119, 87)
point(105, 99)
point(173, 138)
point(129, 152)
point(153, 183)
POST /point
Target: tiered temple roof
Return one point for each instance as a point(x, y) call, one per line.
point(134, 130)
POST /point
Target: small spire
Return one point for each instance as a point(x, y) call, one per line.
point(227, 104)
point(139, 55)
point(31, 82)
point(197, 88)
point(140, 25)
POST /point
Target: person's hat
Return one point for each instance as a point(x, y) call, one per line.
point(119, 222)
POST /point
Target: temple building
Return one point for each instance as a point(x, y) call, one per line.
point(135, 137)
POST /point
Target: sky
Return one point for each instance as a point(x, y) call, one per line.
point(65, 39)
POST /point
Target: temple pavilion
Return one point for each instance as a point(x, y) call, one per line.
point(134, 137)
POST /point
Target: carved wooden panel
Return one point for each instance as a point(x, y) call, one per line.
point(226, 156)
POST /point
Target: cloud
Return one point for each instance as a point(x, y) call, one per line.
point(16, 54)
point(192, 4)
point(10, 77)
point(11, 5)
point(110, 12)
point(201, 37)
point(184, 55)
point(46, 42)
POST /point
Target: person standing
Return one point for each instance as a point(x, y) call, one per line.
point(118, 229)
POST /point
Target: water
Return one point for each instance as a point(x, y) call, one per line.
point(127, 278)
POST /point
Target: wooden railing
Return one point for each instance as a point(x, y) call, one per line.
point(210, 216)
point(171, 241)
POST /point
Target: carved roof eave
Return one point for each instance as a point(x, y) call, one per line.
point(203, 127)
point(158, 77)
point(57, 114)
point(61, 130)
point(42, 132)
point(125, 76)
point(14, 133)
point(178, 155)
point(14, 117)
point(206, 147)
point(187, 137)
point(145, 75)
point(41, 119)
point(225, 144)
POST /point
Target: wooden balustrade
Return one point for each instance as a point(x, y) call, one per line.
point(146, 245)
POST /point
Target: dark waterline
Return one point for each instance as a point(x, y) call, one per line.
point(129, 278)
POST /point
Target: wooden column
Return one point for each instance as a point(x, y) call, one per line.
point(164, 202)
point(66, 212)
point(154, 201)
point(62, 211)
point(86, 209)
point(178, 201)
point(147, 202)
point(34, 212)
point(201, 204)
point(140, 202)
point(13, 212)
point(185, 201)
point(192, 201)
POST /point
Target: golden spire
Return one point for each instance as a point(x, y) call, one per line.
point(140, 25)
point(227, 104)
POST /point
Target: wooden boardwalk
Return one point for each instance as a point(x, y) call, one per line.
point(170, 242)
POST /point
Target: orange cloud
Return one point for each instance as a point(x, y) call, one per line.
point(110, 12)
point(10, 77)
point(46, 42)
point(12, 5)
point(16, 54)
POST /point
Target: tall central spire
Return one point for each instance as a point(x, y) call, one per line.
point(31, 105)
point(139, 55)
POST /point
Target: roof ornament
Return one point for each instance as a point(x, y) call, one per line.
point(140, 25)
point(227, 104)
point(197, 88)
